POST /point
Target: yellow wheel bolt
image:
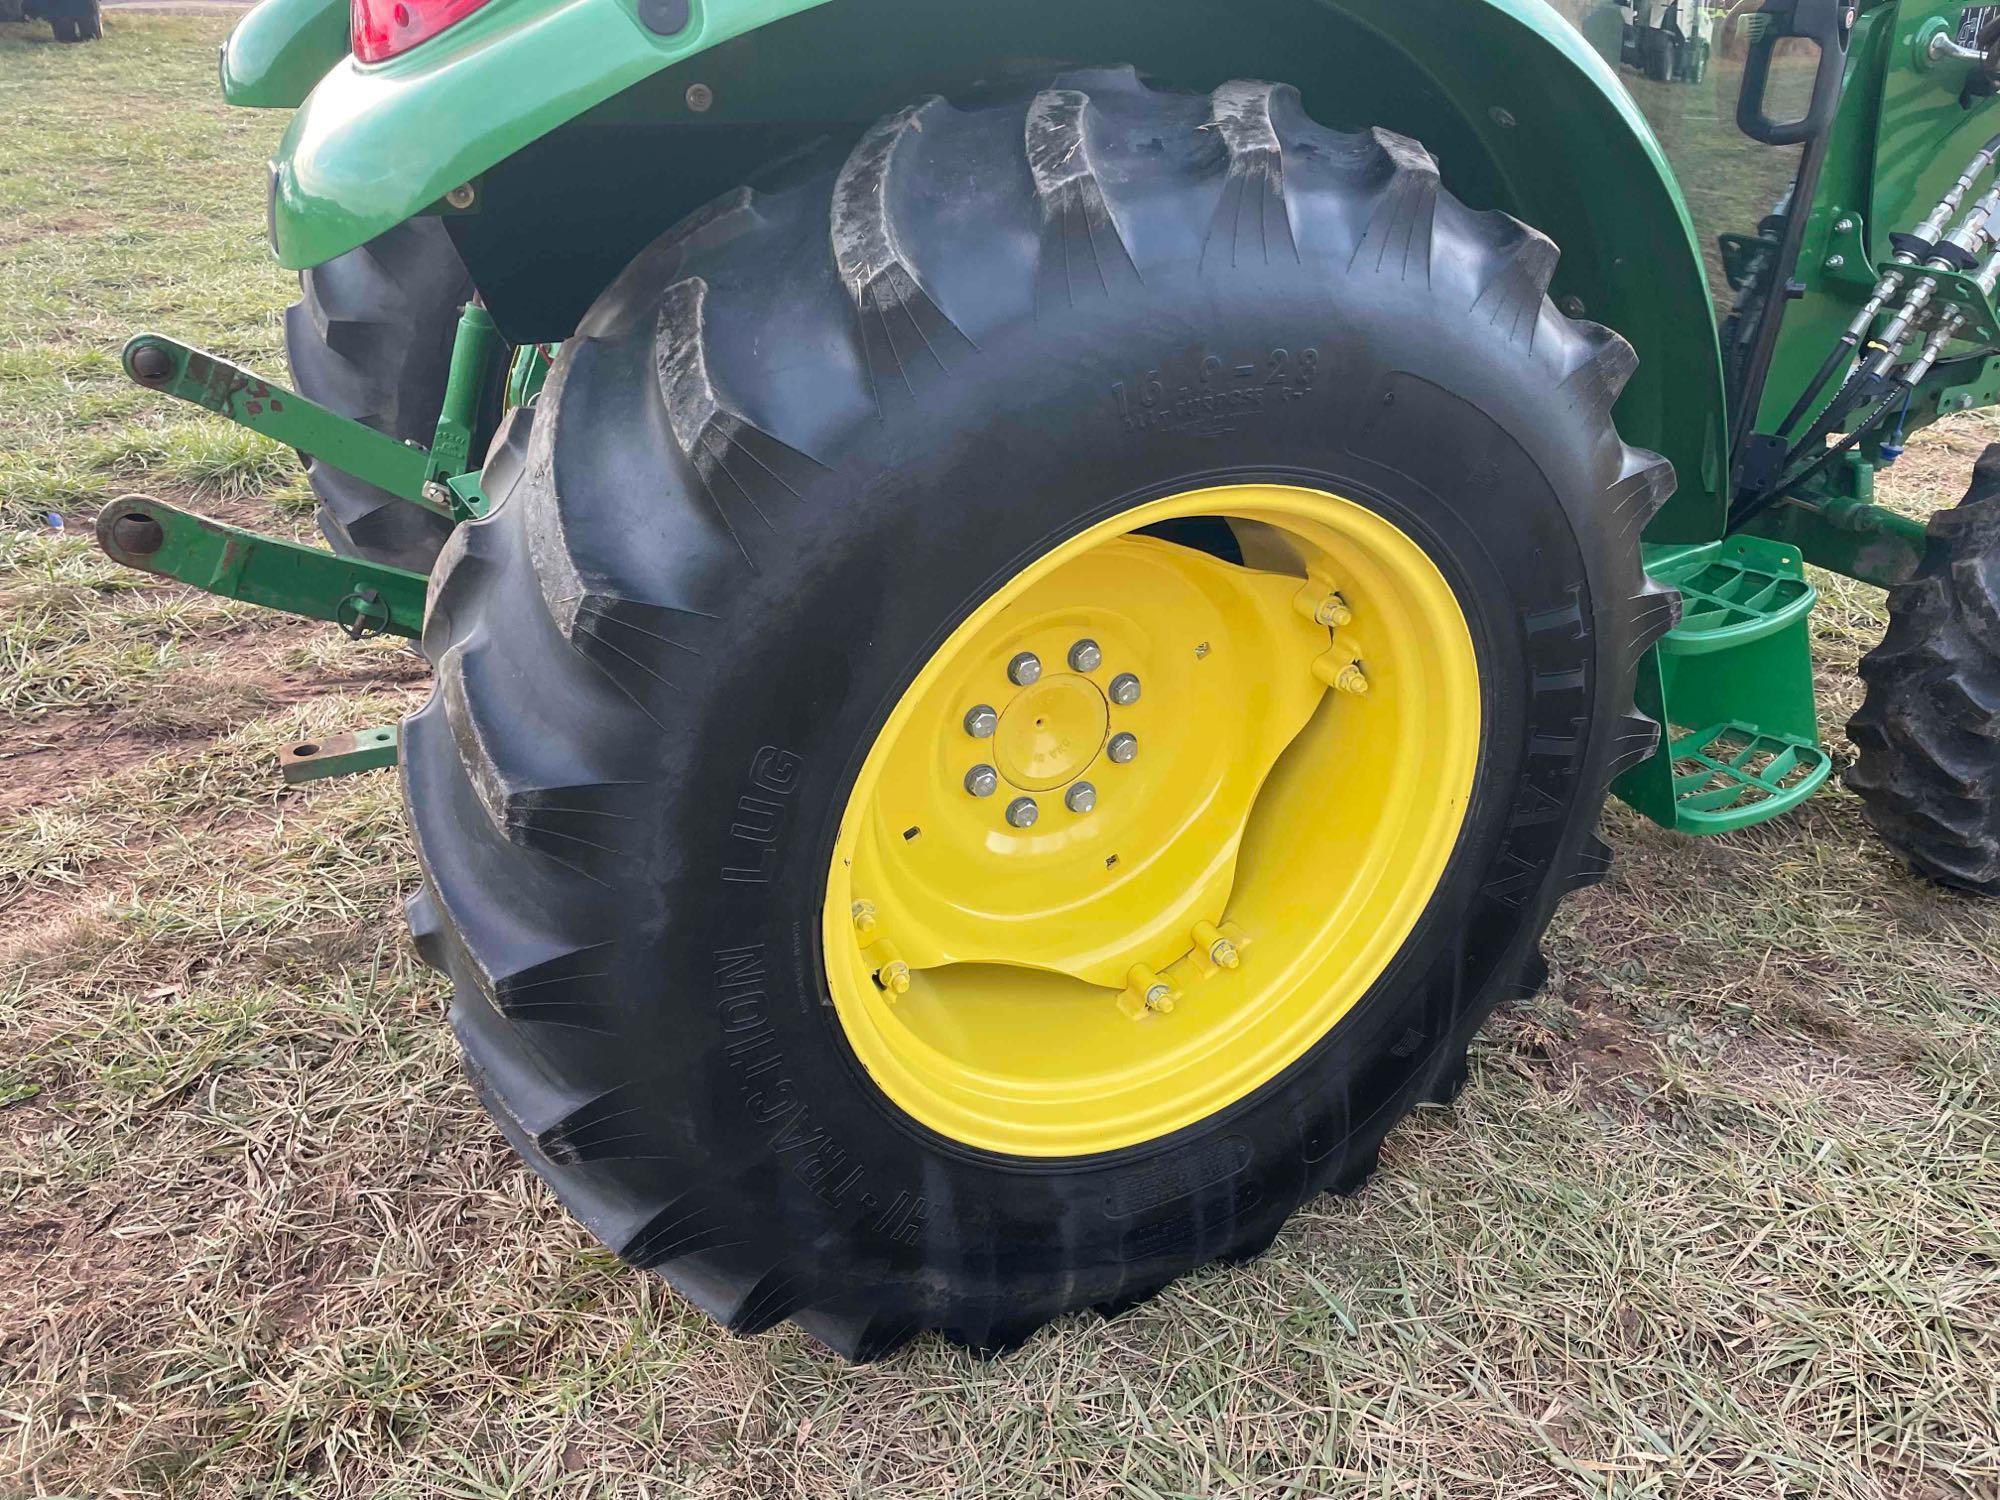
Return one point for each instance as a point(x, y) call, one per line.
point(1323, 606)
point(1342, 672)
point(1221, 952)
point(1154, 992)
point(895, 978)
point(864, 921)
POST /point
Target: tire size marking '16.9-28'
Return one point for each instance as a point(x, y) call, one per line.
point(1215, 391)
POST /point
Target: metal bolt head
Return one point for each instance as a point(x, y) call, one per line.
point(461, 196)
point(1574, 307)
point(700, 98)
point(895, 977)
point(1160, 998)
point(1352, 680)
point(1124, 690)
point(864, 918)
point(1081, 797)
point(1022, 812)
point(1222, 953)
point(1025, 670)
point(1123, 749)
point(1333, 612)
point(1504, 118)
point(982, 781)
point(981, 722)
point(1844, 226)
point(1835, 262)
point(1086, 656)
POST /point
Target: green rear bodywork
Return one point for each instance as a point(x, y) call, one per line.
point(562, 136)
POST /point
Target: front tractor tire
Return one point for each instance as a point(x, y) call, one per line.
point(1928, 733)
point(832, 923)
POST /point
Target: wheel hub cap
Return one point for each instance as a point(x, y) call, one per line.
point(1051, 733)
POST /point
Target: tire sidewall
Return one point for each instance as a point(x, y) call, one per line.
point(847, 623)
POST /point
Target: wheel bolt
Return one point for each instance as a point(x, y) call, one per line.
point(895, 977)
point(1124, 690)
point(1080, 798)
point(1025, 670)
point(1123, 749)
point(864, 919)
point(1086, 656)
point(1022, 812)
point(980, 722)
point(1160, 998)
point(982, 781)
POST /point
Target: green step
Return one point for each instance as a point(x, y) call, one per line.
point(1730, 775)
point(1732, 684)
point(1732, 600)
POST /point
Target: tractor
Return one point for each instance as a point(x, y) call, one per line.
point(1034, 606)
point(1670, 41)
point(69, 20)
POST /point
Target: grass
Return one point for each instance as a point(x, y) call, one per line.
point(1719, 1214)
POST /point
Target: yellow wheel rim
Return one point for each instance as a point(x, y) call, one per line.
point(1150, 823)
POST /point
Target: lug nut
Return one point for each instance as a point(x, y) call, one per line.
point(1123, 749)
point(1160, 998)
point(1352, 680)
point(864, 920)
point(895, 977)
point(1124, 690)
point(1025, 670)
point(1022, 812)
point(1080, 798)
point(1086, 656)
point(980, 722)
point(982, 781)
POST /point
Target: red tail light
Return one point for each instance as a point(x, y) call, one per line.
point(384, 28)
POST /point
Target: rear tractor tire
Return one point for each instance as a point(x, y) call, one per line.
point(371, 338)
point(1928, 731)
point(1033, 689)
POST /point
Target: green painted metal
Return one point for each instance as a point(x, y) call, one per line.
point(468, 495)
point(363, 598)
point(1900, 139)
point(1840, 528)
point(473, 352)
point(377, 143)
point(176, 369)
point(342, 755)
point(1732, 688)
point(280, 49)
point(527, 373)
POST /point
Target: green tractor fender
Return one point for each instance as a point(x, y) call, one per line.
point(569, 134)
point(280, 49)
